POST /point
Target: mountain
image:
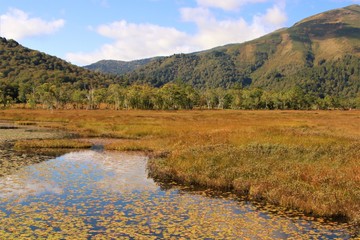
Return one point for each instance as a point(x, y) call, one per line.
point(20, 63)
point(320, 53)
point(23, 70)
point(319, 56)
point(118, 67)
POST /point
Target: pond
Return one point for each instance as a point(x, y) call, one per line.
point(107, 195)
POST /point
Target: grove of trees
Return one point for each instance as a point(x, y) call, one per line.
point(171, 96)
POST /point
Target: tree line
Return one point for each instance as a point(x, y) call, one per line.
point(171, 96)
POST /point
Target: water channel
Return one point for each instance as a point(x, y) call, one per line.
point(107, 195)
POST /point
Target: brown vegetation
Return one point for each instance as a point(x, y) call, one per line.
point(51, 143)
point(308, 160)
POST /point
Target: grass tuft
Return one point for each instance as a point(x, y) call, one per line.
point(52, 143)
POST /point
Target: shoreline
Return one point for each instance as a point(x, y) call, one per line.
point(12, 159)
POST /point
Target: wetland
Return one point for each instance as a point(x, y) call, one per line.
point(218, 174)
point(91, 194)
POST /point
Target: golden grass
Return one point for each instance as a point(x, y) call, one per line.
point(51, 143)
point(131, 145)
point(308, 160)
point(25, 123)
point(316, 180)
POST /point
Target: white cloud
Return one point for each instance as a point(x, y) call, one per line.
point(226, 4)
point(198, 15)
point(135, 41)
point(275, 16)
point(17, 25)
point(213, 32)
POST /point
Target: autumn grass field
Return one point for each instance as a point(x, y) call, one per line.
point(305, 160)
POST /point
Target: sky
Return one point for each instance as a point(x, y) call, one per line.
point(86, 31)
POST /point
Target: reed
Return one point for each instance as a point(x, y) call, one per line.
point(319, 180)
point(308, 160)
point(51, 143)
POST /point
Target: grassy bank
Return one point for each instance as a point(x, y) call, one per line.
point(316, 180)
point(51, 143)
point(10, 159)
point(308, 160)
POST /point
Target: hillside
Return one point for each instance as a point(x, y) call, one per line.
point(117, 67)
point(24, 72)
point(321, 53)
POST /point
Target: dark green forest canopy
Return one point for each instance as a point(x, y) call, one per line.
point(18, 60)
point(118, 67)
point(23, 68)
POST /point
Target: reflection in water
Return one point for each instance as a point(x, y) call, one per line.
point(91, 194)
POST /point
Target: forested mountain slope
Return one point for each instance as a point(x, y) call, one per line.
point(320, 53)
point(25, 73)
point(117, 67)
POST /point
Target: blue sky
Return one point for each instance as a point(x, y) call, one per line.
point(86, 31)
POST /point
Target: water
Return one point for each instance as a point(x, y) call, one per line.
point(107, 195)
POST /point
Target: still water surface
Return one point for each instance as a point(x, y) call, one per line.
point(107, 195)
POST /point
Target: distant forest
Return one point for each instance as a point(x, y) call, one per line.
point(171, 96)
